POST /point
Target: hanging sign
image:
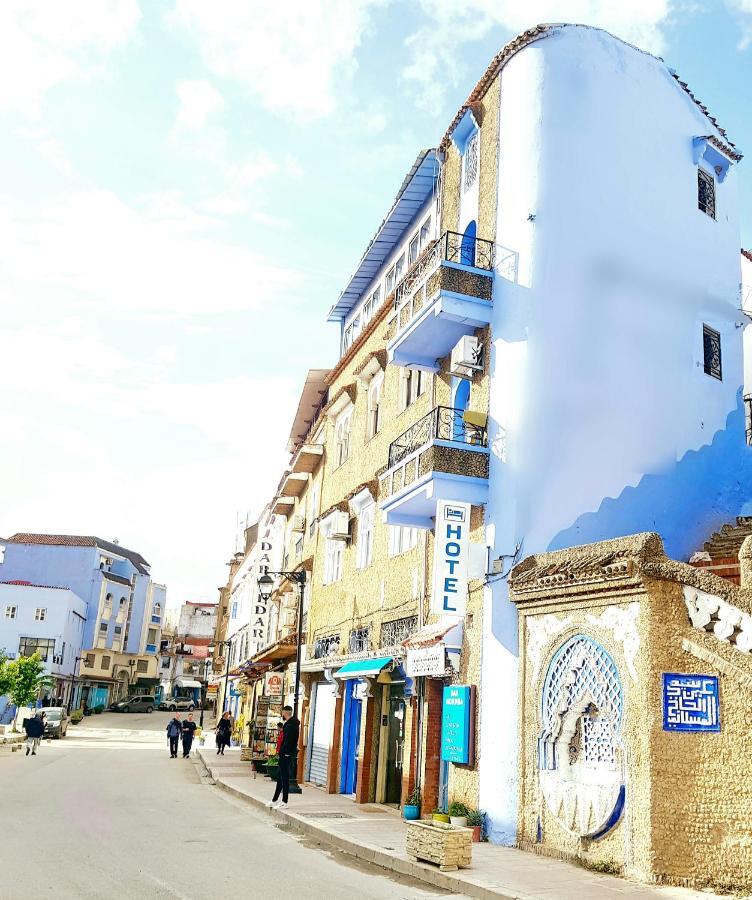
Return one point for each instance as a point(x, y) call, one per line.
point(455, 724)
point(450, 559)
point(274, 685)
point(426, 661)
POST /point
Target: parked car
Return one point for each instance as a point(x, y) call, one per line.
point(140, 703)
point(173, 703)
point(57, 721)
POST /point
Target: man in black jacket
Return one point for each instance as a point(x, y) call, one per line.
point(290, 734)
point(34, 728)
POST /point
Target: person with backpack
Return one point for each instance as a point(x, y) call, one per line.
point(34, 728)
point(174, 731)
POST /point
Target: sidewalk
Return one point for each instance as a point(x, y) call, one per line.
point(376, 834)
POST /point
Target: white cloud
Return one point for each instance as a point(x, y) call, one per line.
point(44, 44)
point(435, 47)
point(159, 256)
point(743, 8)
point(292, 59)
point(199, 100)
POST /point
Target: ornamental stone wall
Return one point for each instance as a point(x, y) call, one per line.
point(644, 767)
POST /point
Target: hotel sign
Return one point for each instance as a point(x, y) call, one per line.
point(426, 661)
point(450, 560)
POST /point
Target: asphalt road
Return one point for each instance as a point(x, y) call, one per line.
point(105, 812)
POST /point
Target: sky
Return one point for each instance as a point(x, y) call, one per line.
point(187, 186)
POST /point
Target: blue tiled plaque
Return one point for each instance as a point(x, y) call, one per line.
point(690, 702)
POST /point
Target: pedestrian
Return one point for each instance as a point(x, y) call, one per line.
point(189, 727)
point(287, 749)
point(34, 728)
point(280, 736)
point(224, 733)
point(174, 730)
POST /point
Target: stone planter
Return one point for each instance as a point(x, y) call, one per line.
point(245, 754)
point(445, 845)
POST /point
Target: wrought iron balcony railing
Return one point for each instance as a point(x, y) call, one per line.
point(360, 640)
point(398, 630)
point(326, 646)
point(442, 423)
point(450, 247)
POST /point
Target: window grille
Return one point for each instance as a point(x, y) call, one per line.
point(711, 347)
point(471, 162)
point(45, 647)
point(398, 630)
point(706, 193)
point(142, 665)
point(326, 646)
point(360, 640)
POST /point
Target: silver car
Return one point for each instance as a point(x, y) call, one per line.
point(56, 725)
point(181, 703)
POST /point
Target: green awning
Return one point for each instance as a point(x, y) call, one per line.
point(359, 668)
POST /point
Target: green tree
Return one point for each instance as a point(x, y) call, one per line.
point(27, 679)
point(6, 678)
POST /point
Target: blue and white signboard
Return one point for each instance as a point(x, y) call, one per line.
point(690, 702)
point(455, 724)
point(450, 559)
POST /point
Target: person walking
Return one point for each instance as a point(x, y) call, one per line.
point(34, 728)
point(287, 748)
point(224, 733)
point(174, 730)
point(189, 728)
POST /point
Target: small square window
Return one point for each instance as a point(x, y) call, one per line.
point(706, 193)
point(103, 627)
point(711, 348)
point(40, 615)
point(10, 612)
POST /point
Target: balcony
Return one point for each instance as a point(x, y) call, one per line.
point(445, 295)
point(442, 456)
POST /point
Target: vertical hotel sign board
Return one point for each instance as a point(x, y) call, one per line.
point(450, 560)
point(457, 720)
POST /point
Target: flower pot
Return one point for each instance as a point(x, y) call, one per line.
point(477, 829)
point(410, 812)
point(440, 817)
point(460, 821)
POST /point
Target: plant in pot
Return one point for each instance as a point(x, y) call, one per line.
point(411, 806)
point(476, 820)
point(458, 813)
point(438, 815)
point(272, 767)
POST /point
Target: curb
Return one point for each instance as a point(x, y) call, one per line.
point(370, 853)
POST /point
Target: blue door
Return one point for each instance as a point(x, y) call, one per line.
point(460, 404)
point(467, 250)
point(350, 739)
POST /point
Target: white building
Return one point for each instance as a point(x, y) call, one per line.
point(46, 620)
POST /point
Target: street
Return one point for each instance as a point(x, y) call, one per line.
point(106, 813)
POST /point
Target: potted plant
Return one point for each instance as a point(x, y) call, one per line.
point(76, 716)
point(458, 813)
point(475, 820)
point(272, 767)
point(411, 806)
point(438, 815)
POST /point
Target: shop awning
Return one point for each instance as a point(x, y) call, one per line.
point(448, 629)
point(187, 683)
point(360, 668)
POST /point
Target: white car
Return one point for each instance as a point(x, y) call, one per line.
point(178, 703)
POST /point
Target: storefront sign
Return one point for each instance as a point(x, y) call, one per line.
point(451, 552)
point(456, 738)
point(274, 683)
point(426, 661)
point(260, 616)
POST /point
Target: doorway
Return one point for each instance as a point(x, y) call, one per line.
point(351, 736)
point(395, 737)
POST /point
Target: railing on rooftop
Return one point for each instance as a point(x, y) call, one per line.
point(442, 423)
point(450, 247)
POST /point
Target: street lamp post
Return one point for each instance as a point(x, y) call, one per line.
point(227, 644)
point(266, 586)
point(205, 687)
point(131, 664)
point(73, 684)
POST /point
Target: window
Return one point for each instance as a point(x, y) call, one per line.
point(342, 437)
point(399, 267)
point(371, 305)
point(103, 627)
point(118, 629)
point(425, 232)
point(40, 614)
point(108, 600)
point(45, 647)
point(157, 609)
point(401, 539)
point(711, 348)
point(706, 192)
point(123, 601)
point(151, 636)
point(11, 612)
point(2, 553)
point(333, 561)
point(142, 665)
point(373, 423)
point(412, 384)
point(326, 646)
point(234, 613)
point(106, 660)
point(470, 163)
point(413, 249)
point(365, 536)
point(89, 661)
point(347, 339)
point(391, 278)
point(360, 640)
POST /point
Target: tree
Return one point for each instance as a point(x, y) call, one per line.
point(27, 680)
point(6, 677)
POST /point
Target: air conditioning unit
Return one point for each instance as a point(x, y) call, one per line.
point(298, 523)
point(340, 526)
point(288, 617)
point(467, 357)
